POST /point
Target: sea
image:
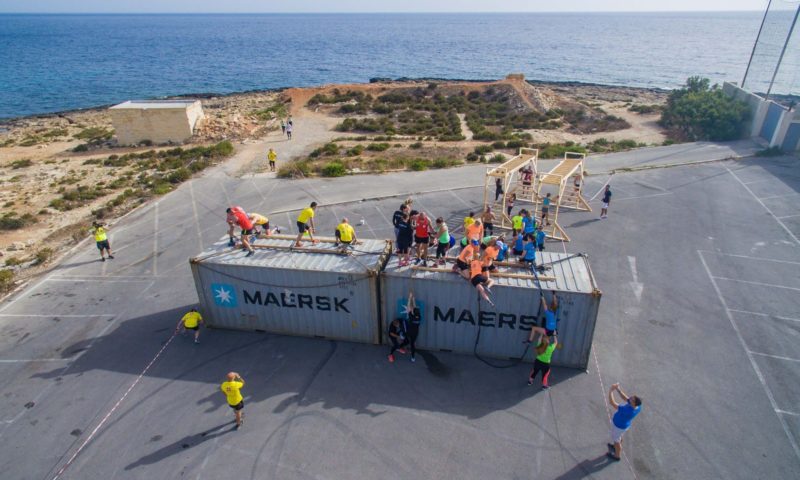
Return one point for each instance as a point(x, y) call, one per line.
point(52, 63)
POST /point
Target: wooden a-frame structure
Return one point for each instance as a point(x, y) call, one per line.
point(511, 175)
point(560, 180)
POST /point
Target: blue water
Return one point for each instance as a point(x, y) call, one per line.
point(58, 62)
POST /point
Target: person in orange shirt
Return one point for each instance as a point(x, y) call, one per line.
point(475, 231)
point(479, 280)
point(466, 255)
point(490, 255)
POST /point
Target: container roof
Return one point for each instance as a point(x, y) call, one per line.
point(571, 271)
point(154, 104)
point(365, 256)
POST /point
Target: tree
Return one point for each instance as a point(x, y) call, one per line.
point(698, 111)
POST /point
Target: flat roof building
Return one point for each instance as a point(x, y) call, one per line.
point(158, 121)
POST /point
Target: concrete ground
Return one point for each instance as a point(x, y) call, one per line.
point(699, 269)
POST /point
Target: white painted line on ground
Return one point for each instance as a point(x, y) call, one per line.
point(603, 187)
point(750, 282)
point(761, 314)
point(640, 197)
point(790, 216)
point(760, 259)
point(772, 197)
point(783, 225)
point(784, 412)
point(778, 357)
point(42, 315)
point(24, 294)
point(753, 363)
point(758, 181)
point(155, 241)
point(196, 216)
point(94, 280)
point(636, 286)
point(468, 205)
point(31, 360)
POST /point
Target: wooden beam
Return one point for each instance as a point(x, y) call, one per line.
point(329, 251)
point(543, 278)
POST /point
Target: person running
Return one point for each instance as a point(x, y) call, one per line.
point(443, 241)
point(101, 240)
point(488, 221)
point(305, 223)
point(191, 321)
point(232, 387)
point(540, 237)
point(621, 421)
point(289, 129)
point(606, 202)
point(464, 258)
point(544, 354)
point(345, 233)
point(528, 225)
point(510, 203)
point(469, 220)
point(398, 338)
point(412, 325)
point(405, 236)
point(475, 231)
point(271, 156)
point(422, 237)
point(283, 127)
point(498, 189)
point(480, 279)
point(261, 225)
point(247, 228)
point(546, 209)
point(516, 221)
point(529, 251)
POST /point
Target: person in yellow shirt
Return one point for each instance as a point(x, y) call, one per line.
point(345, 233)
point(305, 223)
point(101, 239)
point(262, 225)
point(469, 220)
point(271, 156)
point(232, 390)
point(191, 321)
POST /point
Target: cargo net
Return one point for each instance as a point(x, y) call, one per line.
point(774, 67)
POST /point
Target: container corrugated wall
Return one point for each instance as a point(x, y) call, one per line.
point(293, 292)
point(451, 318)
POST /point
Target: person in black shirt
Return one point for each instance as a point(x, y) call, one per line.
point(398, 337)
point(398, 215)
point(405, 234)
point(412, 325)
point(606, 202)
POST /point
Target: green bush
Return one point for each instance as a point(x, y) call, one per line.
point(83, 147)
point(701, 112)
point(418, 164)
point(6, 280)
point(334, 169)
point(483, 149)
point(30, 141)
point(43, 256)
point(499, 145)
point(499, 158)
point(416, 145)
point(10, 221)
point(516, 144)
point(94, 135)
point(24, 163)
point(378, 147)
point(644, 109)
point(473, 157)
point(444, 163)
point(355, 151)
point(14, 261)
point(161, 188)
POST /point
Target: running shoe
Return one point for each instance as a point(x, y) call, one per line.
point(250, 253)
point(401, 350)
point(391, 358)
point(111, 257)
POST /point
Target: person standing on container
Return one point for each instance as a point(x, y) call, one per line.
point(305, 223)
point(529, 251)
point(540, 238)
point(191, 321)
point(272, 156)
point(422, 237)
point(412, 325)
point(345, 233)
point(528, 225)
point(606, 202)
point(517, 221)
point(621, 421)
point(405, 236)
point(231, 220)
point(232, 387)
point(396, 217)
point(544, 354)
point(101, 240)
point(475, 231)
point(397, 336)
point(469, 220)
point(443, 241)
point(247, 228)
point(488, 221)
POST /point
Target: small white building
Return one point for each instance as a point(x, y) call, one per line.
point(159, 121)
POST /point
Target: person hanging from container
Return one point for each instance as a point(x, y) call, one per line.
point(550, 314)
point(345, 233)
point(479, 278)
point(544, 354)
point(412, 324)
point(305, 223)
point(190, 321)
point(464, 258)
point(397, 335)
point(247, 228)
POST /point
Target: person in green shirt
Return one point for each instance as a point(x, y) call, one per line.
point(544, 353)
point(101, 239)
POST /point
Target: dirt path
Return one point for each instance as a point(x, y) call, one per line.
point(465, 128)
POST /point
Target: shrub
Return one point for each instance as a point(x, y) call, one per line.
point(416, 145)
point(378, 147)
point(24, 163)
point(700, 112)
point(83, 147)
point(644, 109)
point(30, 141)
point(328, 149)
point(444, 162)
point(355, 151)
point(418, 165)
point(10, 221)
point(499, 158)
point(43, 256)
point(14, 261)
point(178, 176)
point(517, 144)
point(473, 157)
point(94, 135)
point(499, 145)
point(161, 188)
point(334, 169)
point(6, 280)
point(483, 149)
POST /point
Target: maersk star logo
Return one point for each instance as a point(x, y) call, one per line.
point(224, 294)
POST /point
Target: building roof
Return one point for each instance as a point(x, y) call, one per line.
point(154, 104)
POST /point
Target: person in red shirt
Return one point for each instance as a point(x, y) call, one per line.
point(422, 237)
point(244, 222)
point(232, 222)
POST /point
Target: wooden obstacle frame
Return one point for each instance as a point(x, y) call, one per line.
point(510, 175)
point(560, 180)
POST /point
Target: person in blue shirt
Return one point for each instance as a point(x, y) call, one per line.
point(550, 314)
point(546, 209)
point(529, 252)
point(502, 249)
point(517, 241)
point(528, 224)
point(621, 421)
point(540, 238)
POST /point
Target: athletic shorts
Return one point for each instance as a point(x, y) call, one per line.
point(545, 210)
point(238, 406)
point(488, 226)
point(461, 265)
point(249, 231)
point(190, 328)
point(605, 205)
point(302, 227)
point(421, 240)
point(403, 245)
point(617, 433)
point(478, 279)
point(103, 245)
point(490, 268)
point(518, 252)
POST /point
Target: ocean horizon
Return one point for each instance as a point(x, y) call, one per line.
point(57, 62)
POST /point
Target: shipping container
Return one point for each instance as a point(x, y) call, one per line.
point(452, 317)
point(313, 292)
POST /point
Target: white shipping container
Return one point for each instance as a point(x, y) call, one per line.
point(293, 292)
point(452, 319)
